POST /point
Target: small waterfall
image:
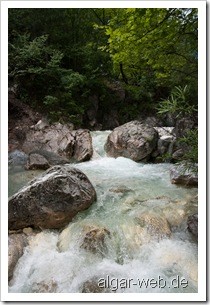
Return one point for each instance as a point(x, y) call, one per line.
point(99, 139)
point(133, 239)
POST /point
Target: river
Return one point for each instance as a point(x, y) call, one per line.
point(138, 258)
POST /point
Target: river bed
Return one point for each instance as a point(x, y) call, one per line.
point(137, 259)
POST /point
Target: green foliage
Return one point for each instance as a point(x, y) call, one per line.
point(60, 57)
point(191, 140)
point(158, 44)
point(177, 103)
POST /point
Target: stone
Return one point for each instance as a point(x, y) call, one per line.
point(133, 237)
point(93, 286)
point(16, 245)
point(28, 231)
point(94, 240)
point(37, 161)
point(166, 141)
point(165, 131)
point(41, 124)
point(192, 224)
point(44, 287)
point(51, 200)
point(17, 157)
point(132, 140)
point(52, 158)
point(184, 125)
point(60, 140)
point(83, 149)
point(157, 226)
point(152, 121)
point(178, 154)
point(179, 174)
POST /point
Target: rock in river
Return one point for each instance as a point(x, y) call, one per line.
point(16, 245)
point(51, 200)
point(132, 140)
point(179, 174)
point(60, 140)
point(192, 224)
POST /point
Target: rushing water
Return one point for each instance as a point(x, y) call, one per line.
point(132, 257)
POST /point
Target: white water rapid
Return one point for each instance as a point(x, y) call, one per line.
point(135, 257)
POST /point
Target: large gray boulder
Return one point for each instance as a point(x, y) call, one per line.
point(61, 140)
point(51, 200)
point(132, 140)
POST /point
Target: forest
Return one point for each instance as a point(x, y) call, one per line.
point(86, 66)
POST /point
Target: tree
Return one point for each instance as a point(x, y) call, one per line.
point(155, 46)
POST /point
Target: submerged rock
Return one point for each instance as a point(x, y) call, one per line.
point(16, 245)
point(51, 200)
point(94, 240)
point(17, 157)
point(132, 140)
point(156, 225)
point(44, 287)
point(91, 238)
point(181, 175)
point(93, 286)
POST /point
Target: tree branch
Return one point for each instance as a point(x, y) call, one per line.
point(99, 18)
point(161, 22)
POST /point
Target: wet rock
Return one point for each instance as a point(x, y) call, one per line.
point(65, 238)
point(17, 243)
point(132, 140)
point(37, 161)
point(91, 238)
point(51, 200)
point(192, 224)
point(44, 287)
point(60, 140)
point(181, 175)
point(94, 240)
point(157, 226)
point(93, 286)
point(174, 215)
point(133, 237)
point(52, 158)
point(17, 157)
point(83, 149)
point(120, 189)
